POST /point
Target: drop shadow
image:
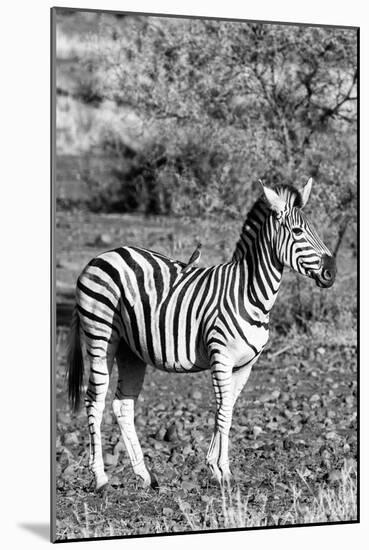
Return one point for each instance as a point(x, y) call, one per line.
point(42, 530)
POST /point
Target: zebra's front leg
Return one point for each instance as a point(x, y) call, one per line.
point(217, 457)
point(238, 380)
point(212, 456)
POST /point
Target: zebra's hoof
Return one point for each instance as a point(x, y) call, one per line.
point(216, 475)
point(227, 481)
point(145, 483)
point(102, 489)
point(226, 476)
point(101, 484)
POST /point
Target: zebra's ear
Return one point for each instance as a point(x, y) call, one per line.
point(275, 202)
point(305, 193)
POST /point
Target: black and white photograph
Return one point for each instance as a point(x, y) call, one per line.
point(205, 262)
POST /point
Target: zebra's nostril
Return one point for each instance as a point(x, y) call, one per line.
point(329, 267)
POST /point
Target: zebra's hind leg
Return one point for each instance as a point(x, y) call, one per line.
point(131, 377)
point(98, 383)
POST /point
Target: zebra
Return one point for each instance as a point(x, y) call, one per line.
point(139, 307)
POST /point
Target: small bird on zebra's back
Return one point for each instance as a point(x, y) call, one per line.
point(194, 260)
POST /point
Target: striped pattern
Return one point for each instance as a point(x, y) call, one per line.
point(144, 308)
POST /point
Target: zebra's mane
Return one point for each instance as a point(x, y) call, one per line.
point(259, 212)
point(290, 194)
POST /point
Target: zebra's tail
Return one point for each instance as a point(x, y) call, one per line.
point(75, 364)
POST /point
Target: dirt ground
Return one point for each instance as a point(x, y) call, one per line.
point(294, 424)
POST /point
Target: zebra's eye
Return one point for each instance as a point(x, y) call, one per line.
point(297, 230)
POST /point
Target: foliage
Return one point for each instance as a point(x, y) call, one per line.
point(226, 103)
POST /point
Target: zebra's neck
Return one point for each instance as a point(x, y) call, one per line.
point(259, 268)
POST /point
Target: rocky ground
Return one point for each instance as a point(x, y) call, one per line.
point(293, 431)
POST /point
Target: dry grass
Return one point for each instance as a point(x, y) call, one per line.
point(231, 511)
point(331, 504)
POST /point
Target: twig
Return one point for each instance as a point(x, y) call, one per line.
point(280, 351)
point(341, 233)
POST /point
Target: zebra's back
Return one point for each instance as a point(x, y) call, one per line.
point(146, 299)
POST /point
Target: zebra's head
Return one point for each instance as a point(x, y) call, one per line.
point(298, 245)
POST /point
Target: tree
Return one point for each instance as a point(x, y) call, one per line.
point(230, 102)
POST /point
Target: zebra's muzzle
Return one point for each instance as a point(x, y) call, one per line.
point(326, 275)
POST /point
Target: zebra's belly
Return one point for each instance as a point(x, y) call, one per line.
point(177, 366)
point(170, 363)
point(183, 354)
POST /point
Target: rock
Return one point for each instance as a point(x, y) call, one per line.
point(160, 434)
point(265, 397)
point(189, 485)
point(63, 417)
point(196, 394)
point(111, 460)
point(351, 463)
point(172, 433)
point(334, 475)
point(257, 431)
point(71, 438)
point(187, 450)
point(273, 426)
point(119, 448)
point(314, 398)
point(323, 449)
point(116, 481)
point(69, 471)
